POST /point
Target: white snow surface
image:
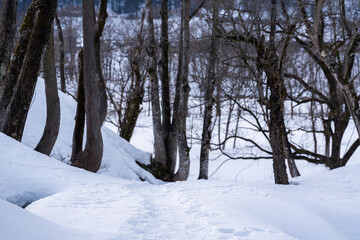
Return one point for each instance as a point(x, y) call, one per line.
point(240, 201)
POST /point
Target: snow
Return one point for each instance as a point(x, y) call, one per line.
point(240, 201)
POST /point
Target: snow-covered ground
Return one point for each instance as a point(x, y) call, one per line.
point(239, 201)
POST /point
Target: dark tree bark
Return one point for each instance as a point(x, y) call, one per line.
point(90, 158)
point(276, 105)
point(11, 78)
point(20, 103)
point(7, 33)
point(165, 82)
point(209, 97)
point(159, 145)
point(62, 55)
point(78, 134)
point(99, 28)
point(133, 102)
point(52, 125)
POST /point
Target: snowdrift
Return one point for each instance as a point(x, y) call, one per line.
point(119, 156)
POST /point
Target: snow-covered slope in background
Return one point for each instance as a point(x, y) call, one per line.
point(119, 156)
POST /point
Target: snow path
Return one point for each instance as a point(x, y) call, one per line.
point(210, 209)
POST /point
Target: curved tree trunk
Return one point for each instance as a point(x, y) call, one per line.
point(90, 158)
point(52, 125)
point(20, 103)
point(7, 33)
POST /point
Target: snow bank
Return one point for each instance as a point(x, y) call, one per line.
point(119, 156)
point(17, 224)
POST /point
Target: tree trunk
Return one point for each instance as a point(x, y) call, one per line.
point(99, 28)
point(184, 159)
point(78, 134)
point(276, 103)
point(7, 33)
point(20, 102)
point(52, 125)
point(90, 158)
point(294, 172)
point(209, 98)
point(12, 74)
point(62, 55)
point(165, 82)
point(133, 103)
point(159, 145)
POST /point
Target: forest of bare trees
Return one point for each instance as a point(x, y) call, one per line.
point(264, 80)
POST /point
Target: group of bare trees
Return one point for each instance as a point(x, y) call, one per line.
point(19, 77)
point(282, 68)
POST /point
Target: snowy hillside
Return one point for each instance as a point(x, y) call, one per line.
point(239, 202)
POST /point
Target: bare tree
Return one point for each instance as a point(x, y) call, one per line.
point(19, 105)
point(90, 158)
point(52, 124)
point(209, 98)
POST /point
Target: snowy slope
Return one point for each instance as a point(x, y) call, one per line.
point(119, 156)
point(17, 224)
point(239, 202)
point(323, 207)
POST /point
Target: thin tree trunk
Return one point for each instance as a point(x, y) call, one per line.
point(78, 134)
point(159, 145)
point(184, 158)
point(20, 103)
point(52, 125)
point(62, 55)
point(276, 124)
point(90, 158)
point(7, 33)
point(209, 98)
point(134, 100)
point(99, 28)
point(294, 172)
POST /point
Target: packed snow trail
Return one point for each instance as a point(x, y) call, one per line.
point(208, 210)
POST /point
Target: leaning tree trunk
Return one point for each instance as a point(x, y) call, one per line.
point(62, 55)
point(12, 74)
point(90, 158)
point(209, 98)
point(184, 150)
point(133, 103)
point(7, 33)
point(52, 125)
point(20, 103)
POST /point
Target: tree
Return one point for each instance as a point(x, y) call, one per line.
point(209, 92)
point(35, 36)
point(335, 56)
point(62, 54)
point(52, 125)
point(90, 158)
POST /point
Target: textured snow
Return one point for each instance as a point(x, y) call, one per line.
point(240, 201)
